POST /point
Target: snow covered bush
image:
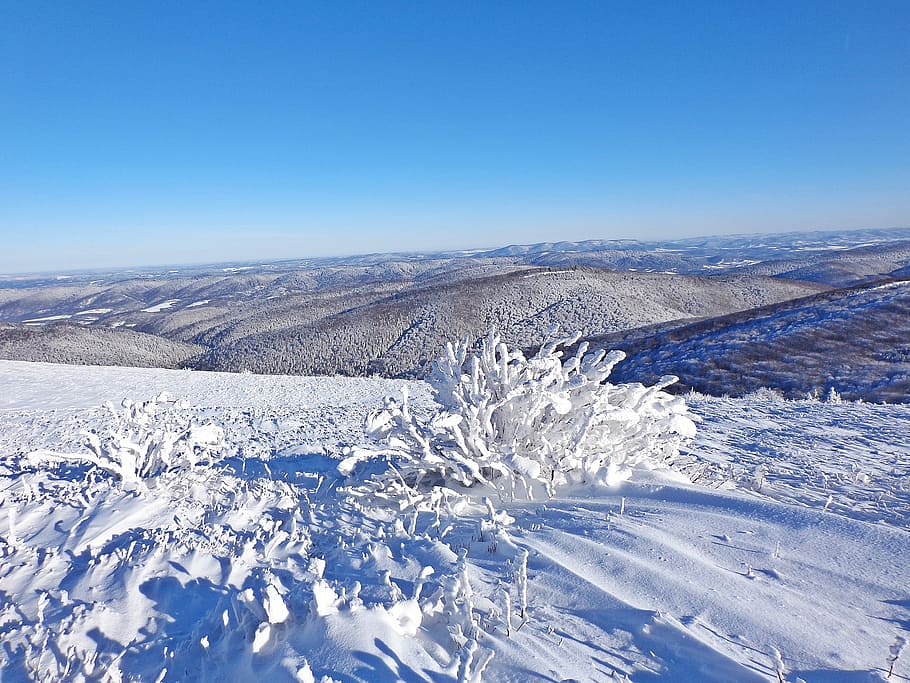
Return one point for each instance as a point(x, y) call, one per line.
point(766, 395)
point(511, 422)
point(833, 396)
point(148, 439)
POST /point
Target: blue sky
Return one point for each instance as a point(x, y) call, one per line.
point(139, 132)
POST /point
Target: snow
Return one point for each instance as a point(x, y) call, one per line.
point(49, 386)
point(890, 285)
point(786, 558)
point(67, 316)
point(274, 606)
point(157, 308)
point(545, 273)
point(198, 303)
point(736, 263)
point(49, 318)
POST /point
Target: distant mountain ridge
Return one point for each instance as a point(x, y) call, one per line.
point(754, 246)
point(390, 314)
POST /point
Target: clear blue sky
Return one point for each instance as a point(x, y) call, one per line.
point(169, 132)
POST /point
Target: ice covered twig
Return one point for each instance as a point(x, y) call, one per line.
point(894, 653)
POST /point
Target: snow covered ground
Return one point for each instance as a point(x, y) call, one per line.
point(788, 558)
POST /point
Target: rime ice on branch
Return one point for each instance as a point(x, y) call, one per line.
point(149, 439)
point(510, 422)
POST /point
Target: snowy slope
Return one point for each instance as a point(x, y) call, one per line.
point(795, 542)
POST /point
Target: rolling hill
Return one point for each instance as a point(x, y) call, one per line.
point(852, 340)
point(390, 314)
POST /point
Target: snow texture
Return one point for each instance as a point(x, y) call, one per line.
point(785, 560)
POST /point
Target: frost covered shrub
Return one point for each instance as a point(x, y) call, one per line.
point(766, 394)
point(153, 437)
point(833, 396)
point(506, 419)
point(148, 439)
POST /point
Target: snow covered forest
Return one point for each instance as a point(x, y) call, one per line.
point(389, 314)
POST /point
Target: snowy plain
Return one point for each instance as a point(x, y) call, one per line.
point(787, 559)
